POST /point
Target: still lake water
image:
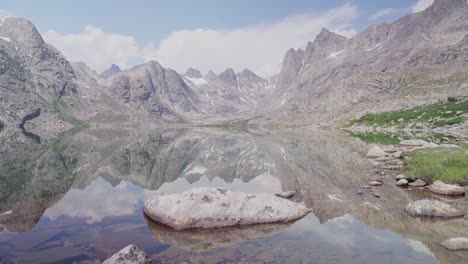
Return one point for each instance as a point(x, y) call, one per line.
point(80, 199)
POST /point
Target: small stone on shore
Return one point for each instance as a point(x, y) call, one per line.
point(402, 182)
point(418, 183)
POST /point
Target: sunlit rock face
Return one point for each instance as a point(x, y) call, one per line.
point(200, 208)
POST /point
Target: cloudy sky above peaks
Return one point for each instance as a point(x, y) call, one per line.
point(205, 34)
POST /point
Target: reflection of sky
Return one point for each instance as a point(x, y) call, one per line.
point(348, 233)
point(98, 200)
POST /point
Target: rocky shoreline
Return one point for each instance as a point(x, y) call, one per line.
point(388, 165)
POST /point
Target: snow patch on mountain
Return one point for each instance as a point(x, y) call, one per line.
point(197, 81)
point(334, 55)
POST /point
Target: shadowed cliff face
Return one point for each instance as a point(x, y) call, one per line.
point(98, 181)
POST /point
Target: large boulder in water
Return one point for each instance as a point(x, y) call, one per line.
point(458, 243)
point(432, 209)
point(216, 207)
point(129, 255)
point(439, 187)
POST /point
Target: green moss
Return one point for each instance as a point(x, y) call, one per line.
point(450, 111)
point(378, 137)
point(449, 165)
point(448, 122)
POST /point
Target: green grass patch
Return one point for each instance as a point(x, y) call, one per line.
point(450, 111)
point(378, 137)
point(448, 122)
point(449, 165)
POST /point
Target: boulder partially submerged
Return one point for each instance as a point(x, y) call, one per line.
point(217, 207)
point(439, 187)
point(432, 209)
point(202, 240)
point(129, 255)
point(458, 243)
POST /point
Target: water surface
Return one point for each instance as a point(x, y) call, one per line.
point(80, 199)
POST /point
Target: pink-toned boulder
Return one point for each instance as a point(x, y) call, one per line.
point(216, 207)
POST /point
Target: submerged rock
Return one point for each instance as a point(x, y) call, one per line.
point(287, 194)
point(458, 243)
point(432, 209)
point(375, 152)
point(439, 187)
point(201, 240)
point(129, 255)
point(418, 183)
point(217, 207)
point(375, 183)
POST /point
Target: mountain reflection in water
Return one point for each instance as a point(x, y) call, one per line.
point(81, 199)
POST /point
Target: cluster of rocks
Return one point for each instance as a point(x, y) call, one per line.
point(391, 158)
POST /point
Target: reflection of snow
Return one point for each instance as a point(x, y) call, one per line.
point(333, 55)
point(420, 247)
point(197, 81)
point(5, 39)
point(376, 46)
point(197, 170)
point(97, 201)
point(7, 212)
point(348, 234)
point(263, 183)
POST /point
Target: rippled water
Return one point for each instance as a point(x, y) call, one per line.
point(80, 200)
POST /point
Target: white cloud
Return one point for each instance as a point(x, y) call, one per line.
point(421, 5)
point(386, 12)
point(82, 203)
point(260, 48)
point(95, 47)
point(4, 14)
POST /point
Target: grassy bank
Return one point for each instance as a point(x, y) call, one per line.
point(433, 116)
point(388, 138)
point(449, 165)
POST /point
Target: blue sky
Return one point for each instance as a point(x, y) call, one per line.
point(150, 23)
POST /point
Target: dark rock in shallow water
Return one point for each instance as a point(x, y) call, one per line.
point(287, 194)
point(129, 255)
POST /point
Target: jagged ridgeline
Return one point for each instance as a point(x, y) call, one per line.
point(418, 59)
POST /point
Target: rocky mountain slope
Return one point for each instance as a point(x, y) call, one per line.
point(420, 58)
point(33, 74)
point(155, 91)
point(113, 69)
point(228, 93)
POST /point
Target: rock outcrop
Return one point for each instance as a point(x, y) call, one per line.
point(154, 90)
point(33, 74)
point(337, 78)
point(112, 70)
point(216, 207)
